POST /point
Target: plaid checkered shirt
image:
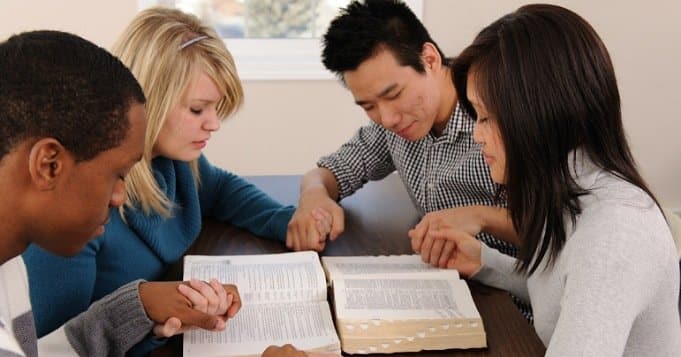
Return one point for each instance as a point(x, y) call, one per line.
point(439, 172)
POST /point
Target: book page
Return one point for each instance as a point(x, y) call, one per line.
point(264, 278)
point(283, 301)
point(308, 326)
point(434, 295)
point(338, 267)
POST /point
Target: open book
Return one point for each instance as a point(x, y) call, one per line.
point(383, 304)
point(283, 301)
point(392, 304)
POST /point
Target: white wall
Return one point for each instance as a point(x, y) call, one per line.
point(285, 125)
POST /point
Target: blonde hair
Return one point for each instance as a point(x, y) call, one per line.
point(162, 48)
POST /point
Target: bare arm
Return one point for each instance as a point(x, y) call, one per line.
point(470, 220)
point(319, 179)
point(497, 222)
point(318, 214)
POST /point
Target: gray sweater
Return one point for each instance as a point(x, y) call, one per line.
point(110, 327)
point(614, 288)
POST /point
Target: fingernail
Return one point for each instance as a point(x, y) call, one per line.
point(220, 325)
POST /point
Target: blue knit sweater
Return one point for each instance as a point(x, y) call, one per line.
point(61, 288)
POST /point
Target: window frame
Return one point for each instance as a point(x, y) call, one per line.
point(281, 59)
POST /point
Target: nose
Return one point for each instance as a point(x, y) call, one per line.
point(118, 195)
point(390, 117)
point(212, 122)
point(477, 135)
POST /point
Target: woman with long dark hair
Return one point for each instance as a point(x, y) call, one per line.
point(597, 260)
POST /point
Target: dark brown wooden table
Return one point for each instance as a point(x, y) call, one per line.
point(377, 219)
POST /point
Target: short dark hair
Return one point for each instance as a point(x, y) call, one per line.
point(364, 28)
point(546, 77)
point(56, 84)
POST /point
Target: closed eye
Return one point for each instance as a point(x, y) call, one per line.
point(196, 111)
point(395, 96)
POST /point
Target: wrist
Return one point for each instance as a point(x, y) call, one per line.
point(314, 191)
point(480, 216)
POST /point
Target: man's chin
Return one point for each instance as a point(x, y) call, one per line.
point(98, 232)
point(75, 248)
point(68, 252)
point(413, 137)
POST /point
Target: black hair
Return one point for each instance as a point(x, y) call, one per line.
point(56, 84)
point(546, 78)
point(364, 28)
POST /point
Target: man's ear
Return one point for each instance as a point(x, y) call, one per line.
point(430, 57)
point(47, 161)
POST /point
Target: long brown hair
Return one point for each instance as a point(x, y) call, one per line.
point(547, 79)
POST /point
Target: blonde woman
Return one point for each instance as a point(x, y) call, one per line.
point(191, 85)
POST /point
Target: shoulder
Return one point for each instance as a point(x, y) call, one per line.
point(14, 282)
point(14, 267)
point(619, 217)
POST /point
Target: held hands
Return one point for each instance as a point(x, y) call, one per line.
point(317, 217)
point(460, 221)
point(177, 306)
point(290, 351)
point(465, 255)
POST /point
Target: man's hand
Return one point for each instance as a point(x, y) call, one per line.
point(316, 217)
point(212, 298)
point(283, 351)
point(171, 305)
point(438, 252)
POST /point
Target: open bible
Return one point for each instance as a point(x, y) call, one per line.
point(392, 304)
point(283, 301)
point(382, 304)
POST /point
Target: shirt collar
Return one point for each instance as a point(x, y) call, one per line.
point(459, 122)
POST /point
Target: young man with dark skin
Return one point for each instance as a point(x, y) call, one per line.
point(399, 76)
point(72, 123)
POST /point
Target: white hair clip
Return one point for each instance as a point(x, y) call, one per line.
point(192, 41)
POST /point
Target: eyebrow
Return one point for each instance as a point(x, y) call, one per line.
point(382, 94)
point(202, 100)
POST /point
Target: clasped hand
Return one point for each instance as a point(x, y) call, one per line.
point(317, 217)
point(446, 239)
point(178, 306)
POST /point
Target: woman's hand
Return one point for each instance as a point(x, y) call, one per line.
point(211, 304)
point(466, 253)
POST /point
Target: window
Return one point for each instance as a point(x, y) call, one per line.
point(270, 39)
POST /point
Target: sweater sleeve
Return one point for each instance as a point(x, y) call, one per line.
point(228, 197)
point(112, 325)
point(612, 275)
point(56, 295)
point(498, 270)
point(363, 158)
